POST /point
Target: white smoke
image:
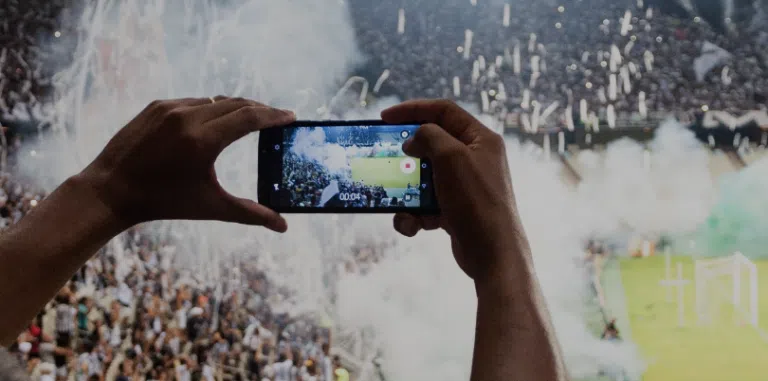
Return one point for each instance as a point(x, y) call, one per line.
point(416, 300)
point(311, 144)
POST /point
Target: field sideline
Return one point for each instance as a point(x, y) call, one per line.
point(723, 351)
point(383, 171)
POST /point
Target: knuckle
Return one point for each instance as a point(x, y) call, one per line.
point(453, 152)
point(155, 105)
point(447, 104)
point(175, 117)
point(250, 114)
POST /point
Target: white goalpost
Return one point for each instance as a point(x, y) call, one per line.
point(727, 279)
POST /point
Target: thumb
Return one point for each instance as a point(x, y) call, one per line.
point(248, 212)
point(431, 141)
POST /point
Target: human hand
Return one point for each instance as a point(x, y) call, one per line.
point(161, 165)
point(472, 184)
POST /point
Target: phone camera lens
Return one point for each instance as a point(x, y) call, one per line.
point(405, 134)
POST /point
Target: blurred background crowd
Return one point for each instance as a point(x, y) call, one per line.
point(131, 314)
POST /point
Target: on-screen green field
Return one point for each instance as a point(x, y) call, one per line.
point(728, 349)
point(383, 171)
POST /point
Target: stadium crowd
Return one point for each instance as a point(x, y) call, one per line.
point(130, 314)
point(564, 51)
point(306, 179)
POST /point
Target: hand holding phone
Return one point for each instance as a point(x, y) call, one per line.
point(343, 167)
point(472, 184)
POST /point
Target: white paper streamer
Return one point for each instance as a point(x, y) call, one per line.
point(611, 116)
point(384, 76)
point(456, 87)
point(468, 34)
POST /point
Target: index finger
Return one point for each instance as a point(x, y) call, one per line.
point(446, 114)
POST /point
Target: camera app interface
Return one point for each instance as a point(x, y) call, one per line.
point(349, 167)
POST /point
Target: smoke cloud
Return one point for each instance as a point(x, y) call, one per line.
point(415, 307)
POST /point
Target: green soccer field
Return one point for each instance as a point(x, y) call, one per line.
point(383, 171)
point(726, 350)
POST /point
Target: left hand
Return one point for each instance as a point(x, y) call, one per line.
point(161, 165)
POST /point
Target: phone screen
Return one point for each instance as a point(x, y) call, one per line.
point(348, 167)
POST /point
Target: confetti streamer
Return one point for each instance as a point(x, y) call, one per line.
point(569, 118)
point(649, 13)
point(642, 107)
point(594, 121)
point(627, 85)
point(501, 94)
point(612, 87)
point(526, 122)
point(648, 58)
point(481, 61)
point(499, 61)
point(535, 117)
point(535, 68)
point(711, 140)
point(628, 47)
point(456, 87)
point(583, 114)
point(475, 72)
point(615, 59)
point(561, 142)
point(611, 116)
point(401, 21)
point(526, 104)
point(516, 63)
point(726, 77)
point(626, 23)
point(584, 57)
point(485, 100)
point(547, 145)
point(601, 95)
point(549, 111)
point(468, 34)
point(384, 76)
point(534, 78)
point(506, 15)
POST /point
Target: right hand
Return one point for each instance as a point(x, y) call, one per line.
point(472, 184)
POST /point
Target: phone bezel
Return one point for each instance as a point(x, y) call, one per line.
point(268, 174)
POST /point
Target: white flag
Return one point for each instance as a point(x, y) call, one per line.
point(711, 57)
point(329, 191)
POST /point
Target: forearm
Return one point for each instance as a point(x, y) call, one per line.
point(42, 251)
point(514, 337)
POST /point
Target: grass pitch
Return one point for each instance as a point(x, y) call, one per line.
point(723, 351)
point(384, 171)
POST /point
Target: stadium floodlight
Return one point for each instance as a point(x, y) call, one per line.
point(727, 279)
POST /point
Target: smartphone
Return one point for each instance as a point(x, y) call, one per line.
point(343, 167)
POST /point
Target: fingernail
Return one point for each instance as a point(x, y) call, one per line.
point(279, 226)
point(289, 112)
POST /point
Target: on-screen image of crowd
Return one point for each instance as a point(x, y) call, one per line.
point(349, 167)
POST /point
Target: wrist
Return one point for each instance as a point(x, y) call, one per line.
point(506, 281)
point(84, 188)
